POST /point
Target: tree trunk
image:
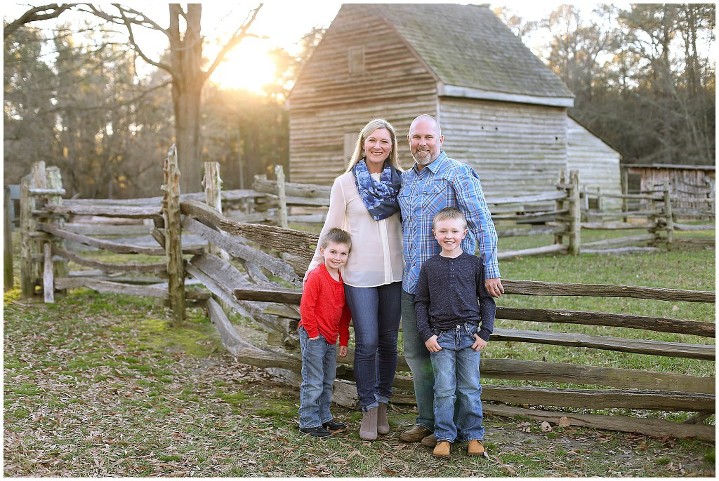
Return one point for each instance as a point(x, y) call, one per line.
point(188, 79)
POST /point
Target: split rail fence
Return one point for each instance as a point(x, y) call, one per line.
point(667, 208)
point(561, 214)
point(201, 257)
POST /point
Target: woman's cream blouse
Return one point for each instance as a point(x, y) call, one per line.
point(376, 255)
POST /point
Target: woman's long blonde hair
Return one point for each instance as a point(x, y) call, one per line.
point(366, 131)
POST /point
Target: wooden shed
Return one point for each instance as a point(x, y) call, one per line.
point(690, 186)
point(501, 109)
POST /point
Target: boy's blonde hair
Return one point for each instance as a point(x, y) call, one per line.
point(449, 213)
point(337, 236)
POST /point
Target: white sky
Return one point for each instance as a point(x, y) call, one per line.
point(286, 21)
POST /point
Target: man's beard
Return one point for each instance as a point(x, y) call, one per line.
point(423, 157)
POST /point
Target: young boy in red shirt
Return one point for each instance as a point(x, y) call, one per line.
point(324, 316)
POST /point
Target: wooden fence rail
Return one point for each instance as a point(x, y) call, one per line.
point(626, 388)
point(554, 214)
point(237, 277)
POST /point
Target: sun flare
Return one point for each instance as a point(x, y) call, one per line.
point(248, 66)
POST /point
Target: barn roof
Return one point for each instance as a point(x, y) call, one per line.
point(472, 52)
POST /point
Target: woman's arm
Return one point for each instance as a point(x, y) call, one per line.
point(335, 218)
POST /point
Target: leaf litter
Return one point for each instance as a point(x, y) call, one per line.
point(85, 398)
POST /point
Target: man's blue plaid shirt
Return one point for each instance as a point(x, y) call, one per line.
point(443, 183)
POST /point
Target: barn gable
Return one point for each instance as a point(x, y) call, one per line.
point(473, 54)
point(362, 69)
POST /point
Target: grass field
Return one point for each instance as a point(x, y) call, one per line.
point(101, 385)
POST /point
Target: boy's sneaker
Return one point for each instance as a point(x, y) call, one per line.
point(318, 432)
point(334, 427)
point(441, 450)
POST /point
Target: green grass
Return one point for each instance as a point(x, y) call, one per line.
point(682, 268)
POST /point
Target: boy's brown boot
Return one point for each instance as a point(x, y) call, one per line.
point(382, 421)
point(368, 428)
point(441, 450)
point(475, 448)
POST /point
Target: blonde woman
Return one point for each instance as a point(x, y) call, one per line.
point(363, 201)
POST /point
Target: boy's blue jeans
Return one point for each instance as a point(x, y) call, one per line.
point(319, 367)
point(456, 380)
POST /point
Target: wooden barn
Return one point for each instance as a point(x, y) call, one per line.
point(501, 109)
point(597, 162)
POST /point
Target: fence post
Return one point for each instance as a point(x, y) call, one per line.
point(213, 197)
point(575, 214)
point(282, 197)
point(8, 268)
point(54, 182)
point(668, 214)
point(27, 281)
point(173, 237)
point(625, 192)
point(559, 204)
point(48, 279)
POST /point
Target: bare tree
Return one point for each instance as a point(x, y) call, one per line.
point(185, 68)
point(35, 14)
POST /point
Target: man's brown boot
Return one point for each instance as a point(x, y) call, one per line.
point(415, 434)
point(475, 448)
point(441, 450)
point(429, 441)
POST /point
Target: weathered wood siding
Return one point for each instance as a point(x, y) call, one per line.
point(691, 187)
point(687, 180)
point(597, 163)
point(330, 104)
point(517, 149)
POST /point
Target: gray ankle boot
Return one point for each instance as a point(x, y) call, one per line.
point(368, 428)
point(382, 422)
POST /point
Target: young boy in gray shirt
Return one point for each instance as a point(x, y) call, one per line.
point(455, 318)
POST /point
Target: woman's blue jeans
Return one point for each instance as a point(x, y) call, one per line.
point(375, 317)
point(319, 367)
point(456, 380)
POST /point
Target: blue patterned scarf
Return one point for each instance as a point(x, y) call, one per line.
point(380, 198)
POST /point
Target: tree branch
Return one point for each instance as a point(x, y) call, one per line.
point(128, 17)
point(237, 37)
point(35, 14)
